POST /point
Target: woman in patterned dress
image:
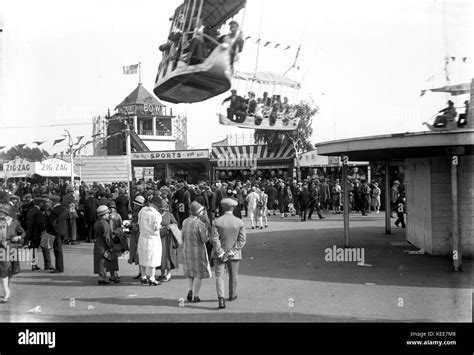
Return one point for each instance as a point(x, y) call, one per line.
point(196, 261)
point(11, 233)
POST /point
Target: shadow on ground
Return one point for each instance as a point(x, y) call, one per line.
point(301, 254)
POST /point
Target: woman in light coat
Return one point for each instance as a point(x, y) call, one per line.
point(196, 260)
point(149, 242)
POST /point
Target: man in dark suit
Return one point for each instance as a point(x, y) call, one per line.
point(58, 225)
point(122, 204)
point(304, 201)
point(69, 201)
point(90, 214)
point(35, 226)
point(228, 239)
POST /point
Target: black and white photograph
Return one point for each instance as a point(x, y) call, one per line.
point(237, 161)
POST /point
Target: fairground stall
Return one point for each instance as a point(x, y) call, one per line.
point(191, 166)
point(245, 161)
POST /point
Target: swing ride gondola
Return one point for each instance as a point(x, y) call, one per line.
point(270, 113)
point(180, 78)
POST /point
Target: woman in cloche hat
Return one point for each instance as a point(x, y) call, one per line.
point(196, 262)
point(11, 233)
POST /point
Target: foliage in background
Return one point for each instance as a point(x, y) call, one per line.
point(298, 138)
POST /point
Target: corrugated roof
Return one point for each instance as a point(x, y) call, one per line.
point(140, 96)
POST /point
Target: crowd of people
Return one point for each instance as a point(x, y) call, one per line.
point(207, 219)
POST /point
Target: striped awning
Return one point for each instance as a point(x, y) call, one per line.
point(259, 152)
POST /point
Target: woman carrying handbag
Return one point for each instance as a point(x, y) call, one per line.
point(169, 244)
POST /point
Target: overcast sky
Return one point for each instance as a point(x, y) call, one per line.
point(362, 62)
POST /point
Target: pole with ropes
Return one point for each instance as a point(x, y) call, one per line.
point(71, 155)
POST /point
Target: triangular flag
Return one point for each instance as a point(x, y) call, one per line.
point(288, 47)
point(422, 93)
point(56, 141)
point(79, 139)
point(267, 43)
point(464, 59)
point(39, 142)
point(453, 59)
point(276, 46)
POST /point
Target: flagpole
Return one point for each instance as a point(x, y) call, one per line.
point(139, 73)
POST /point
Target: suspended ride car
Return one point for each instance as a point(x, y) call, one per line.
point(266, 112)
point(197, 64)
point(446, 121)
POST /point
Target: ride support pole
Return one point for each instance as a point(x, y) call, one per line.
point(388, 210)
point(345, 192)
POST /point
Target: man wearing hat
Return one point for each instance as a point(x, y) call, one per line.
point(27, 205)
point(235, 104)
point(58, 225)
point(252, 104)
point(394, 194)
point(35, 226)
point(122, 204)
point(69, 201)
point(228, 239)
point(90, 213)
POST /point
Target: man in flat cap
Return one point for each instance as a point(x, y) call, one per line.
point(58, 225)
point(228, 239)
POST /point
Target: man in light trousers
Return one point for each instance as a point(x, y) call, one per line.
point(228, 239)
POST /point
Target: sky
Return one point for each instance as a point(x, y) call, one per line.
point(363, 63)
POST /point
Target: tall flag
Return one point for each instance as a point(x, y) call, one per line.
point(130, 69)
point(56, 141)
point(39, 142)
point(79, 139)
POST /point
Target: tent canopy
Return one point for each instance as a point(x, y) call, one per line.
point(458, 89)
point(268, 78)
point(53, 167)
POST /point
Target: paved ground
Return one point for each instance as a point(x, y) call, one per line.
point(283, 277)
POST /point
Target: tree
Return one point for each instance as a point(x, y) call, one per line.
point(32, 154)
point(298, 138)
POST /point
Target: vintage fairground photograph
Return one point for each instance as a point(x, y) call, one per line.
point(236, 161)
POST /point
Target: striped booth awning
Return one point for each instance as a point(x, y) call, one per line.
point(258, 152)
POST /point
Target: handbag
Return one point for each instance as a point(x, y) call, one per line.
point(47, 240)
point(177, 235)
point(109, 255)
